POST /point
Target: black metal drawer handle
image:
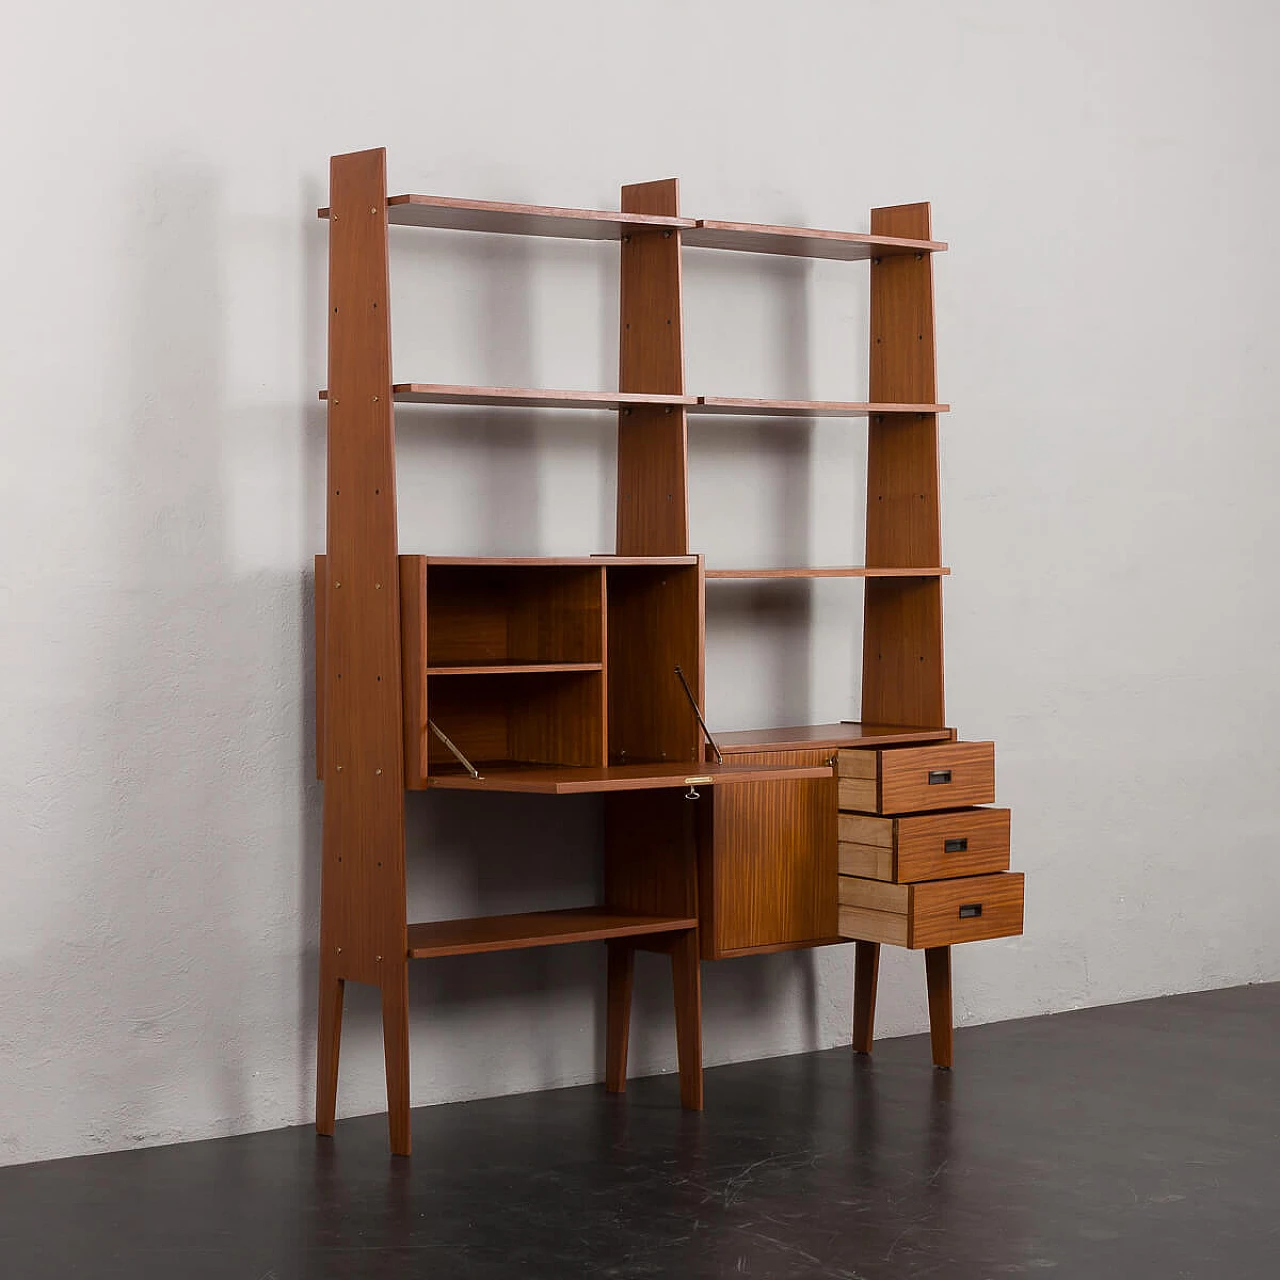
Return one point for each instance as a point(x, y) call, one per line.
point(939, 776)
point(956, 846)
point(970, 911)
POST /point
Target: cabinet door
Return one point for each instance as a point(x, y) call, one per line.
point(768, 862)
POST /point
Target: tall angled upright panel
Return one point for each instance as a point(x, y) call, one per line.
point(653, 486)
point(363, 934)
point(902, 672)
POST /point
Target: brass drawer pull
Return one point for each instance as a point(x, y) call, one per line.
point(960, 845)
point(971, 911)
point(938, 776)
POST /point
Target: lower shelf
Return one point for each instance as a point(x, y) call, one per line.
point(534, 929)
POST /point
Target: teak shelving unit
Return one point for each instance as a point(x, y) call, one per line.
point(581, 674)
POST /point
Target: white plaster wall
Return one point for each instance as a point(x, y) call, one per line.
point(1105, 171)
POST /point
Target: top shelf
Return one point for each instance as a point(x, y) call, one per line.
point(447, 213)
point(803, 242)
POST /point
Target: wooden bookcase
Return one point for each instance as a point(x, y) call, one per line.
point(585, 674)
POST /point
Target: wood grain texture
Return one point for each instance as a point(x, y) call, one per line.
point(937, 968)
point(650, 853)
point(413, 661)
point(653, 491)
point(328, 1043)
point(902, 675)
point(534, 929)
point(686, 977)
point(395, 1048)
point(528, 398)
point(768, 870)
point(559, 562)
point(830, 736)
point(933, 913)
point(509, 615)
point(902, 663)
point(362, 887)
point(807, 242)
point(505, 218)
point(861, 794)
point(318, 606)
point(936, 907)
point(655, 622)
point(552, 718)
point(930, 846)
point(732, 406)
point(866, 974)
point(362, 880)
point(619, 982)
point(563, 781)
point(905, 774)
point(864, 924)
point(922, 840)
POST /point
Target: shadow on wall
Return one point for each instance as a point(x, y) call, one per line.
point(169, 967)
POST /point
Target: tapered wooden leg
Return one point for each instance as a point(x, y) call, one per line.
point(622, 963)
point(866, 972)
point(937, 972)
point(328, 1042)
point(395, 1044)
point(688, 984)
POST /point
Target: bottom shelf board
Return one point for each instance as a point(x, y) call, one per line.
point(560, 780)
point(848, 733)
point(534, 929)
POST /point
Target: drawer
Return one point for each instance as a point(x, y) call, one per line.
point(949, 775)
point(938, 913)
point(925, 846)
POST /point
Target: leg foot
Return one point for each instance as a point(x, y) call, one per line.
point(622, 959)
point(937, 971)
point(688, 988)
point(328, 1041)
point(395, 1044)
point(865, 973)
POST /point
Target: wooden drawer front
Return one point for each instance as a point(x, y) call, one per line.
point(937, 913)
point(932, 846)
point(918, 779)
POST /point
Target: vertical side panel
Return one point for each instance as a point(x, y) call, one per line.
point(655, 622)
point(653, 489)
point(413, 652)
point(362, 916)
point(902, 662)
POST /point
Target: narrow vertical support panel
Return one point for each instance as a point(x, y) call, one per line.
point(866, 974)
point(902, 671)
point(622, 959)
point(395, 1047)
point(363, 934)
point(687, 977)
point(653, 488)
point(937, 972)
point(413, 652)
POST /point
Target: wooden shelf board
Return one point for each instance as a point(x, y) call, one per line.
point(803, 242)
point(448, 213)
point(513, 668)
point(534, 929)
point(832, 571)
point(569, 780)
point(738, 407)
point(524, 397)
point(823, 736)
point(553, 562)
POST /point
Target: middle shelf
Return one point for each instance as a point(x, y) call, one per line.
point(432, 393)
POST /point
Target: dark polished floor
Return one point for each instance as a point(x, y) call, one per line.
point(1141, 1140)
